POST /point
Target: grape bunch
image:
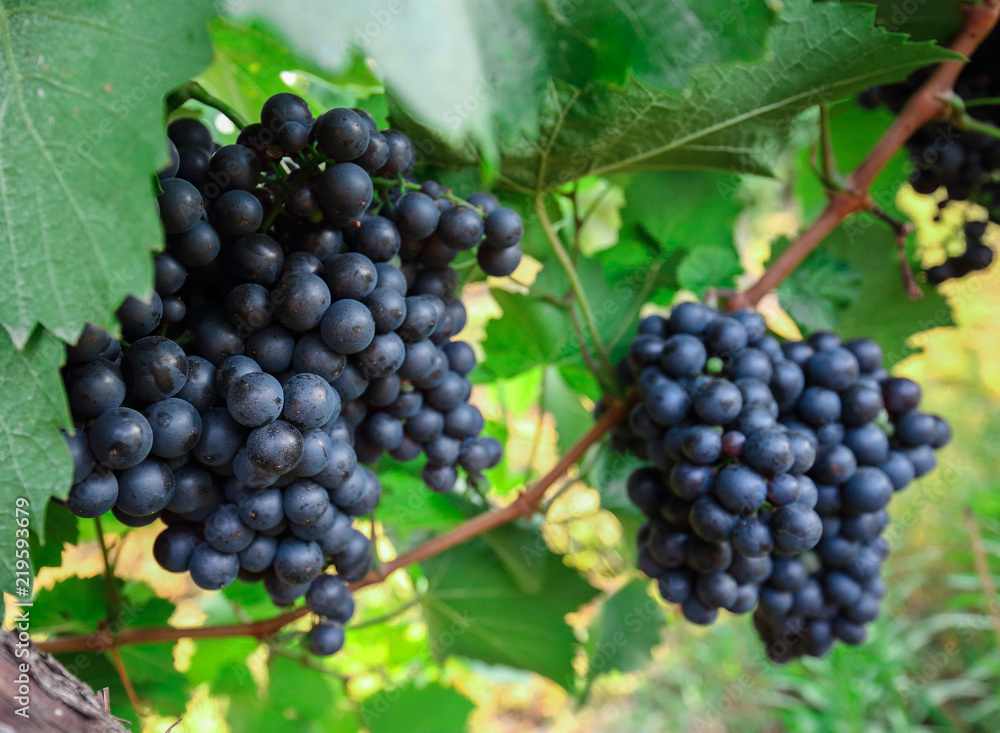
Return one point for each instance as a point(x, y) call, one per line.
point(771, 469)
point(977, 256)
point(964, 162)
point(302, 324)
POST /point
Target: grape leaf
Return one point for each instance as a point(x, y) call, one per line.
point(562, 402)
point(855, 131)
point(150, 667)
point(731, 117)
point(298, 698)
point(412, 709)
point(876, 305)
point(487, 82)
point(71, 606)
point(530, 333)
point(816, 289)
point(709, 266)
point(474, 608)
point(681, 209)
point(82, 131)
point(882, 311)
point(75, 605)
point(936, 20)
point(408, 509)
point(624, 632)
point(211, 656)
point(249, 61)
point(33, 453)
point(448, 84)
point(61, 528)
point(662, 42)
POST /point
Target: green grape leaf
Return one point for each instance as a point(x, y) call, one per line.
point(299, 697)
point(298, 692)
point(730, 117)
point(532, 332)
point(881, 310)
point(487, 83)
point(855, 131)
point(33, 453)
point(874, 305)
point(662, 42)
point(474, 608)
point(408, 509)
point(562, 401)
point(668, 216)
point(150, 667)
point(415, 709)
point(72, 606)
point(681, 209)
point(83, 131)
point(251, 57)
point(933, 20)
point(817, 289)
point(622, 635)
point(211, 656)
point(449, 87)
point(76, 605)
point(709, 266)
point(61, 528)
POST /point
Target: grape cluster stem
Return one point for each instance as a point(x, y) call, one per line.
point(928, 103)
point(194, 90)
point(527, 503)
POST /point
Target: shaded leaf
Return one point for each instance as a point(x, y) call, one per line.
point(817, 289)
point(413, 709)
point(530, 333)
point(709, 266)
point(562, 402)
point(624, 632)
point(731, 117)
point(474, 608)
point(408, 508)
point(61, 528)
point(881, 310)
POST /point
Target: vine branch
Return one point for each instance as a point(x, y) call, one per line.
point(526, 504)
point(929, 102)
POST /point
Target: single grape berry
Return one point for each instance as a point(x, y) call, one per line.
point(402, 155)
point(93, 495)
point(344, 191)
point(461, 227)
point(416, 215)
point(326, 638)
point(255, 399)
point(275, 448)
point(503, 228)
point(154, 368)
point(181, 205)
point(236, 213)
point(347, 326)
point(120, 438)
